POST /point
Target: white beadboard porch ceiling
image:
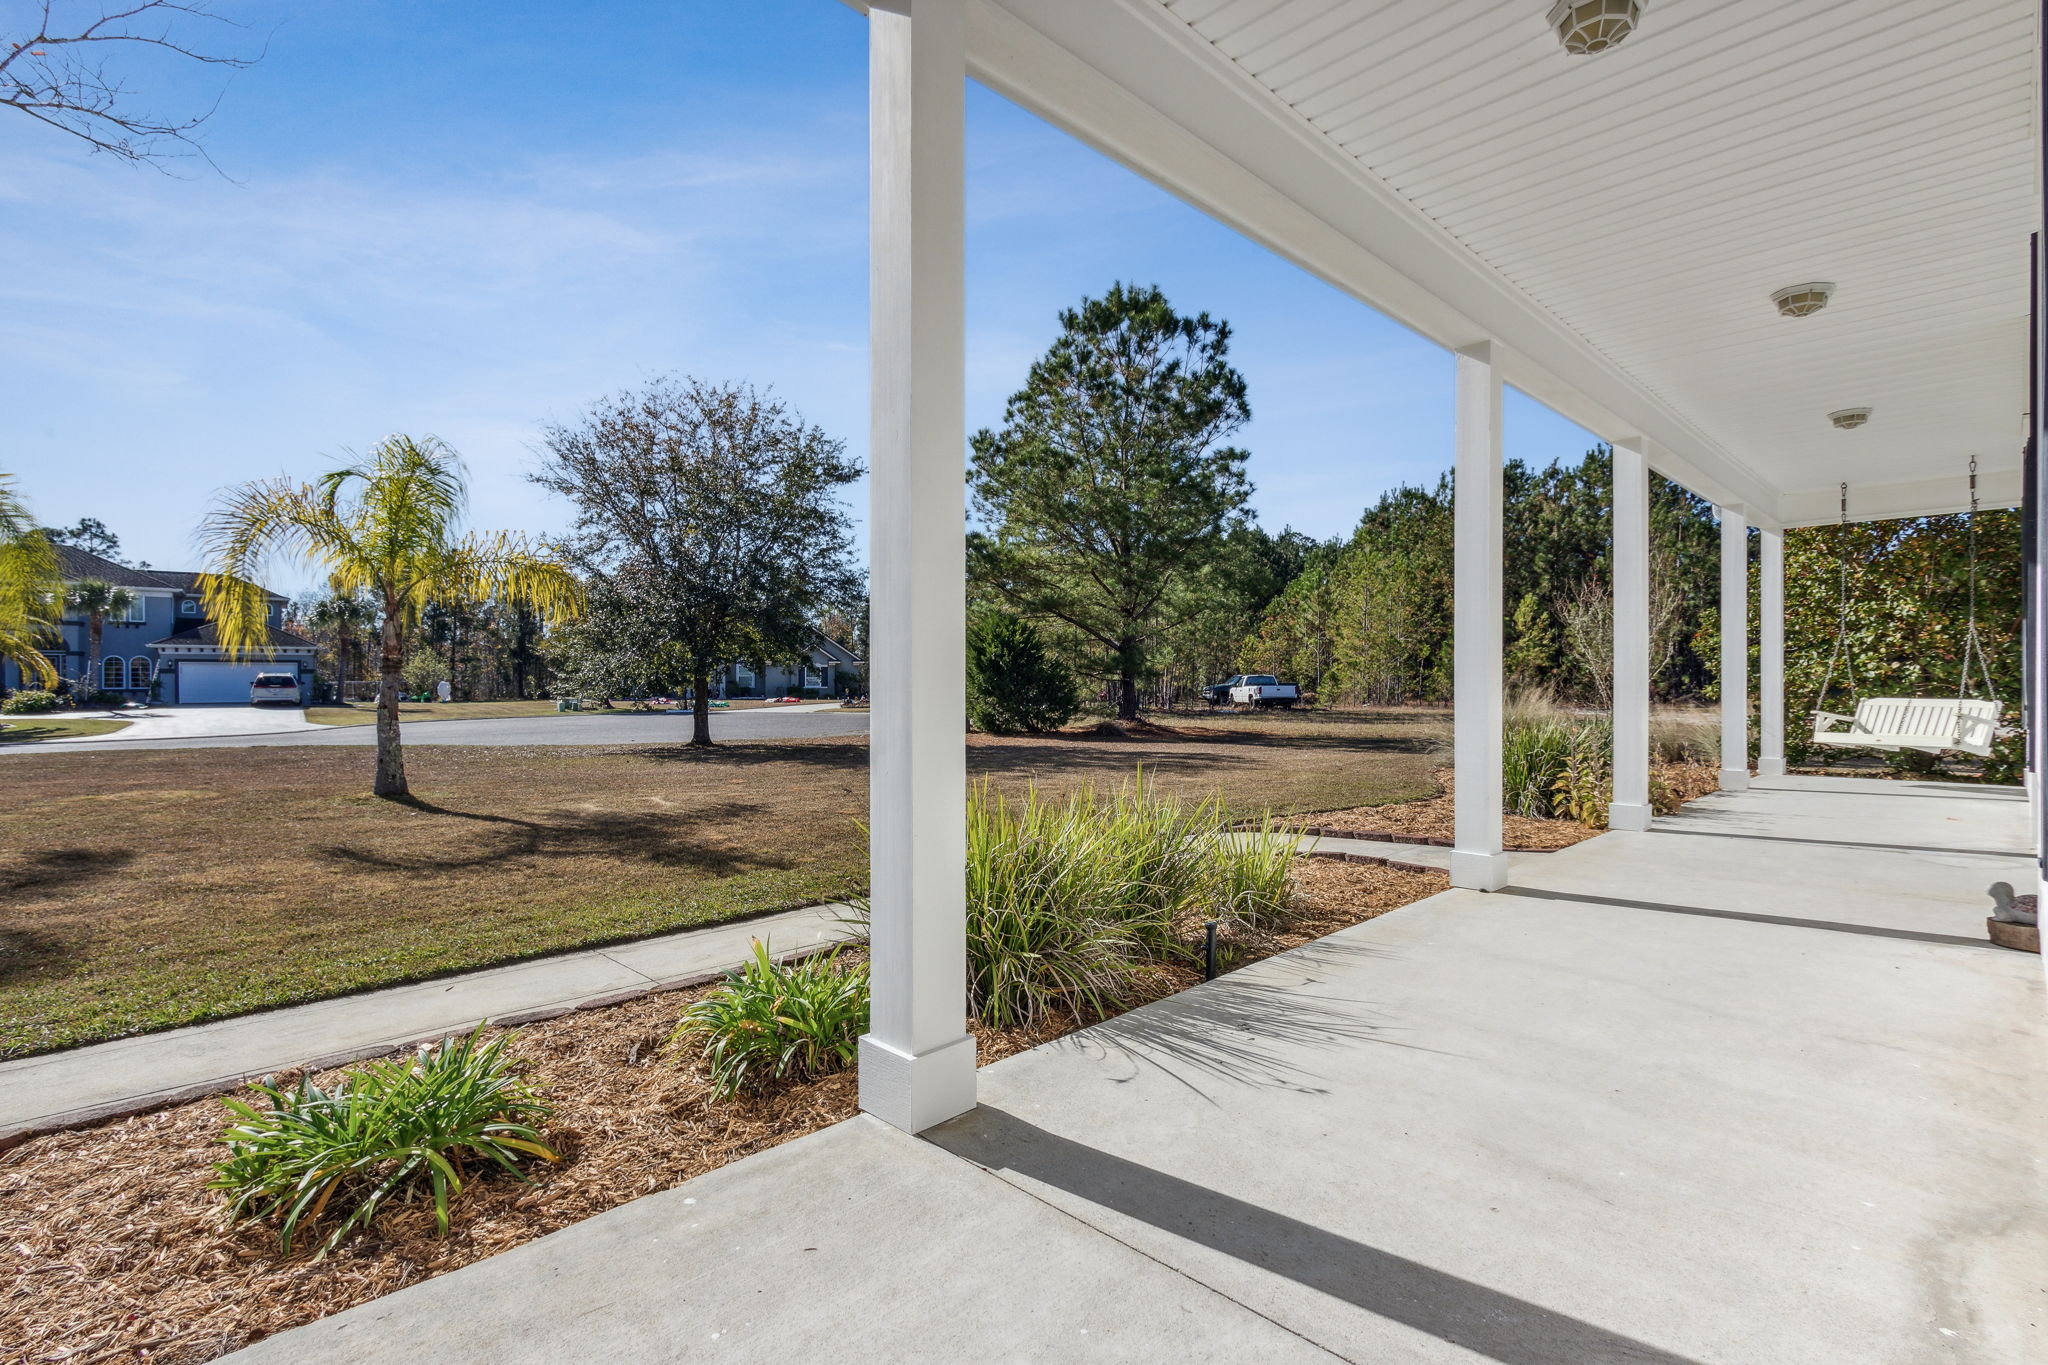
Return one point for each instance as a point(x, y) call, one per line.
point(1619, 220)
point(1652, 197)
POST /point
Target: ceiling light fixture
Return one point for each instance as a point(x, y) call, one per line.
point(1589, 26)
point(1848, 419)
point(1802, 300)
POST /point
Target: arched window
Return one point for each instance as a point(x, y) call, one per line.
point(113, 673)
point(138, 672)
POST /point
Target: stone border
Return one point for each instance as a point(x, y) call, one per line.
point(116, 1110)
point(1369, 860)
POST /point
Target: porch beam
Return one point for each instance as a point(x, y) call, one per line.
point(1630, 807)
point(1734, 649)
point(1770, 663)
point(1477, 860)
point(917, 1059)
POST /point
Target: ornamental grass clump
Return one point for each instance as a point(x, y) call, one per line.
point(774, 1022)
point(1080, 904)
point(387, 1131)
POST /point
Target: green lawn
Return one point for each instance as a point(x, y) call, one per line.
point(27, 729)
point(150, 889)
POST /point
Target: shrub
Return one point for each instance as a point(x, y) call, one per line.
point(29, 702)
point(773, 1022)
point(383, 1132)
point(1077, 904)
point(1013, 682)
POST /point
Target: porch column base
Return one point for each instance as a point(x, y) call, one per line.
point(1478, 871)
point(1770, 767)
point(914, 1093)
point(1734, 779)
point(1628, 815)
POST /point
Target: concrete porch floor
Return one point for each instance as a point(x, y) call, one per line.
point(1749, 1088)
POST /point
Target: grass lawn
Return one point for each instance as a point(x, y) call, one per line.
point(144, 890)
point(27, 729)
point(365, 713)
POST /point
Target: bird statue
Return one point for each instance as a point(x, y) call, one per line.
point(2007, 908)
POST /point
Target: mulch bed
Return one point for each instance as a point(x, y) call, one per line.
point(111, 1248)
point(1434, 821)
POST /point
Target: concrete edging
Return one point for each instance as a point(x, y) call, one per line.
point(95, 1115)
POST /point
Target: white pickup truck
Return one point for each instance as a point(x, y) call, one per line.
point(1262, 690)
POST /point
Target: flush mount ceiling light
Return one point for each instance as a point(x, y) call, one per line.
point(1848, 419)
point(1588, 26)
point(1800, 300)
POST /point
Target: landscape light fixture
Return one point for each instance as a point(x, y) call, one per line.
point(1589, 26)
point(1802, 300)
point(1848, 419)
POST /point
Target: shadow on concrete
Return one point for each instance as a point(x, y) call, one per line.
point(1485, 1321)
point(1244, 1030)
point(1835, 926)
point(1839, 843)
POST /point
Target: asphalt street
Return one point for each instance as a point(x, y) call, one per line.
point(584, 730)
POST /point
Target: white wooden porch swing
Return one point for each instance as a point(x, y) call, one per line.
point(1962, 724)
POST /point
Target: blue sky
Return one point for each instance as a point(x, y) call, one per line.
point(473, 218)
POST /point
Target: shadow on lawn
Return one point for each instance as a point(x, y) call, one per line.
point(662, 838)
point(61, 867)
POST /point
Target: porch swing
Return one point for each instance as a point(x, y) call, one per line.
point(1933, 725)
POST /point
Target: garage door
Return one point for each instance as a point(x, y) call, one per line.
point(199, 683)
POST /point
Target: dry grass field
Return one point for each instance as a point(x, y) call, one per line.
point(149, 889)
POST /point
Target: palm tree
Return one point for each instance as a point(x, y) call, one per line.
point(96, 599)
point(30, 584)
point(385, 525)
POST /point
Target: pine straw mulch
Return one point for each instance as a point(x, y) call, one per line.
point(1434, 820)
point(111, 1247)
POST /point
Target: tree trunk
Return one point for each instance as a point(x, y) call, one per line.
point(342, 642)
point(1127, 691)
point(700, 711)
point(95, 623)
point(390, 779)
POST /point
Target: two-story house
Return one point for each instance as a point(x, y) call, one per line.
point(163, 648)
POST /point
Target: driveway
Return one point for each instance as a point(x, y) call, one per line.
point(216, 727)
point(190, 722)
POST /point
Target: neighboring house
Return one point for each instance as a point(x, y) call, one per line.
point(825, 669)
point(164, 648)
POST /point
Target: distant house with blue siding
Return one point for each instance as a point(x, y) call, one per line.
point(827, 668)
point(164, 649)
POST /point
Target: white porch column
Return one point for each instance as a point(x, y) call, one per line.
point(1476, 859)
point(1770, 666)
point(917, 1060)
point(1734, 649)
point(1630, 806)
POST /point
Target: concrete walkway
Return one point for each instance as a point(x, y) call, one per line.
point(1748, 1089)
point(62, 1088)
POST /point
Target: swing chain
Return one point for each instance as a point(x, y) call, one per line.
point(1973, 644)
point(1841, 653)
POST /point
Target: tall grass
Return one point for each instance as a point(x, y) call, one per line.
point(1550, 755)
point(1076, 904)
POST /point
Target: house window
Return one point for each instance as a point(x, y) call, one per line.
point(138, 672)
point(742, 675)
point(138, 610)
point(813, 677)
point(113, 673)
point(188, 607)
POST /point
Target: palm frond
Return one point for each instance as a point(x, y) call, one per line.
point(31, 584)
point(505, 567)
point(257, 524)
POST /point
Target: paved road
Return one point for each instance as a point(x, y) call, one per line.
point(511, 730)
